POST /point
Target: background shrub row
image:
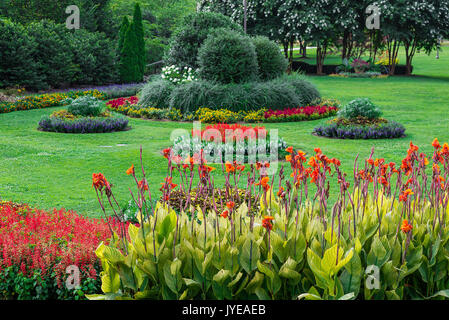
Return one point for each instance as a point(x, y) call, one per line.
point(45, 54)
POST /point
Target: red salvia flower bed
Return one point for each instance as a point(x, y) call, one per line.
point(37, 240)
point(122, 101)
point(240, 132)
point(308, 111)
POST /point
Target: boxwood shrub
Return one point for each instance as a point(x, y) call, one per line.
point(270, 60)
point(189, 37)
point(228, 57)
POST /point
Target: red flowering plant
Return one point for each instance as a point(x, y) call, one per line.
point(300, 113)
point(115, 103)
point(37, 246)
point(232, 142)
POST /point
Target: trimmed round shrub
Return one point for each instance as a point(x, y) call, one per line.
point(361, 107)
point(156, 94)
point(228, 57)
point(86, 106)
point(270, 60)
point(195, 28)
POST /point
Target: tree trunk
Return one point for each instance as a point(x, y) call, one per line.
point(410, 49)
point(345, 41)
point(320, 56)
point(285, 45)
point(303, 49)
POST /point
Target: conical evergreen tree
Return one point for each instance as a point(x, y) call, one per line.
point(138, 27)
point(129, 58)
point(122, 33)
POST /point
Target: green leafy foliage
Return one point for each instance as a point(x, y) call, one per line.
point(227, 57)
point(270, 60)
point(200, 258)
point(361, 107)
point(86, 106)
point(189, 37)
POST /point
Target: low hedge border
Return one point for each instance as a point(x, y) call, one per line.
point(84, 125)
point(389, 130)
point(302, 66)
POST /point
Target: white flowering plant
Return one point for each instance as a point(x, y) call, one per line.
point(178, 75)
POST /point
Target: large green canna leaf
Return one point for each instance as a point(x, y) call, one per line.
point(255, 282)
point(352, 276)
point(249, 256)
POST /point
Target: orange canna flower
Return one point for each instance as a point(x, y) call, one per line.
point(289, 149)
point(230, 205)
point(264, 183)
point(288, 158)
point(406, 227)
point(281, 192)
point(99, 181)
point(130, 170)
point(436, 144)
point(404, 195)
point(266, 223)
point(229, 167)
point(225, 214)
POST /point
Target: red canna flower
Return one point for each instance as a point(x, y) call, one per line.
point(266, 223)
point(225, 214)
point(289, 149)
point(436, 144)
point(99, 181)
point(230, 204)
point(143, 184)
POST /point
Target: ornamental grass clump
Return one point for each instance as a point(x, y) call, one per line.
point(389, 220)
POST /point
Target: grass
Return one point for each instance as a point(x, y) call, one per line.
point(54, 170)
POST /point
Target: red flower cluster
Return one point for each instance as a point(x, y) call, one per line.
point(40, 241)
point(307, 111)
point(240, 132)
point(122, 101)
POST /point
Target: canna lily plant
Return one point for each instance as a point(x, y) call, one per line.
point(385, 236)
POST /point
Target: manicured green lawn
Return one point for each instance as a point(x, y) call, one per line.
point(54, 170)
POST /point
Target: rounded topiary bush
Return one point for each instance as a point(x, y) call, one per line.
point(156, 94)
point(270, 60)
point(228, 57)
point(189, 37)
point(361, 107)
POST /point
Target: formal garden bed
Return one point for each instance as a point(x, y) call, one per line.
point(235, 195)
point(252, 248)
point(83, 115)
point(360, 119)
